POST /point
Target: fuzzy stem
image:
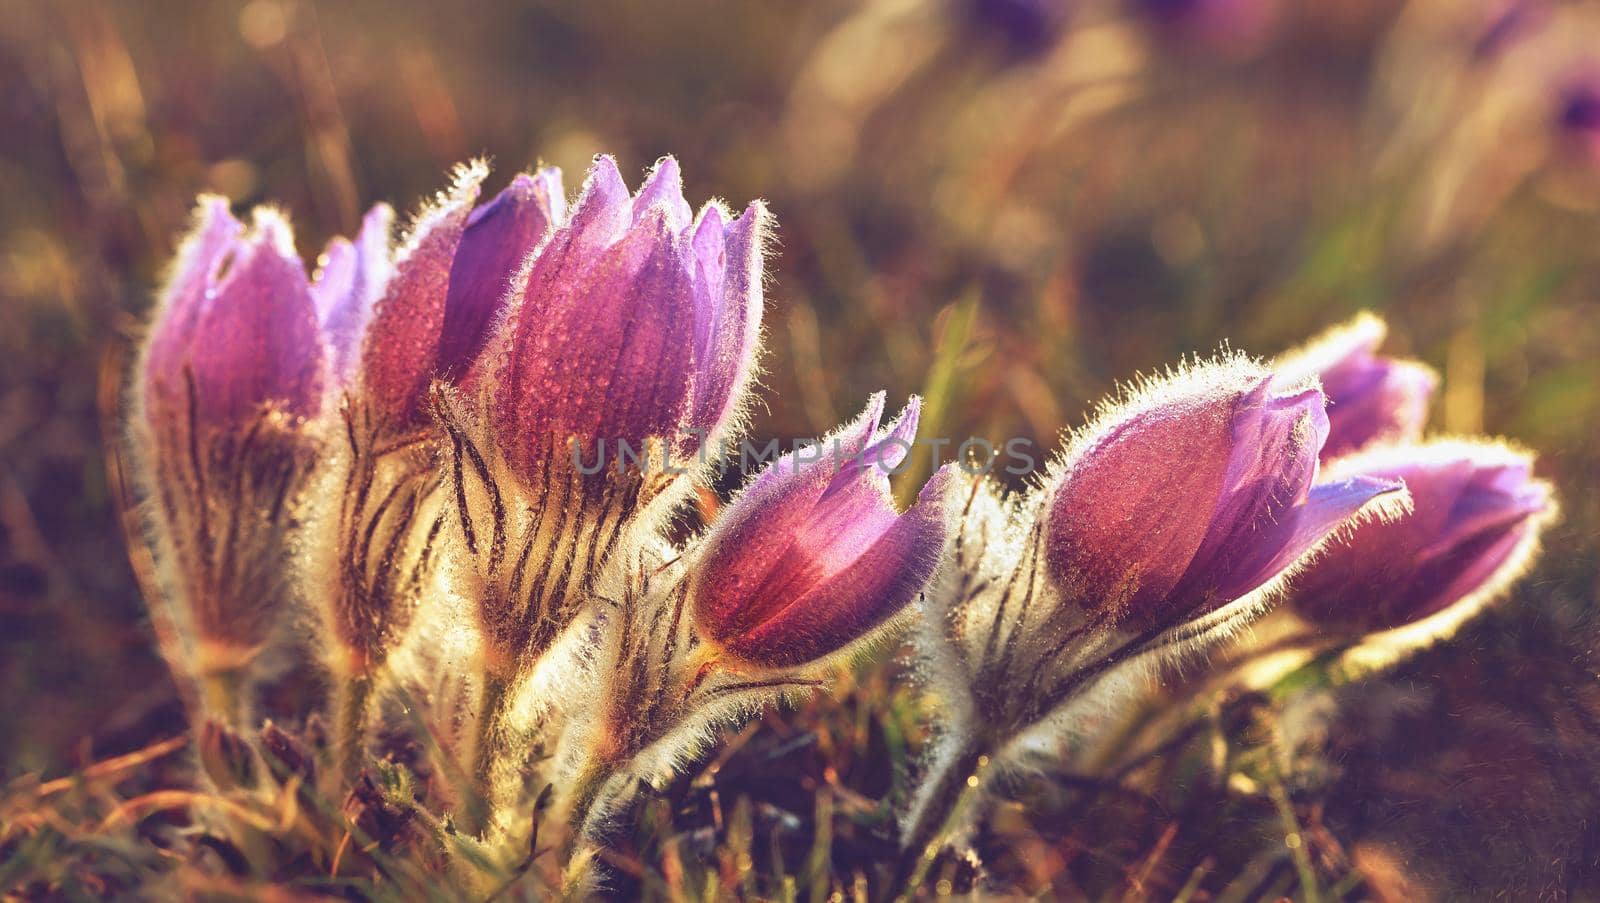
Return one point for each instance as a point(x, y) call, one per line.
point(581, 816)
point(487, 751)
point(355, 695)
point(953, 787)
point(222, 696)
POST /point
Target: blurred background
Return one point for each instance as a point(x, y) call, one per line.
point(1006, 205)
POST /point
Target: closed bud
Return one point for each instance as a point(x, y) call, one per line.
point(1475, 524)
point(1199, 492)
point(639, 323)
point(232, 374)
point(812, 556)
point(1371, 398)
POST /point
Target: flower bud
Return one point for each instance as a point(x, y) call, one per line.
point(1577, 114)
point(637, 323)
point(1477, 513)
point(812, 555)
point(233, 370)
point(1370, 398)
point(237, 329)
point(1197, 493)
point(450, 284)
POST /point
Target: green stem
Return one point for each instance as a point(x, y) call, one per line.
point(222, 696)
point(355, 695)
point(954, 786)
point(487, 751)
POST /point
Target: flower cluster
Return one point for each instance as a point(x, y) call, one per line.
point(393, 451)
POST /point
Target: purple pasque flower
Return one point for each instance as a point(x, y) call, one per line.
point(1199, 491)
point(236, 330)
point(812, 555)
point(638, 321)
point(1476, 516)
point(458, 271)
point(233, 370)
point(1371, 398)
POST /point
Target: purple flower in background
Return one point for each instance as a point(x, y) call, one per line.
point(1371, 398)
point(1503, 23)
point(237, 329)
point(352, 277)
point(1476, 517)
point(1027, 27)
point(1220, 24)
point(1200, 491)
point(812, 555)
point(638, 321)
point(1578, 113)
point(450, 285)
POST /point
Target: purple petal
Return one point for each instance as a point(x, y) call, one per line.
point(1370, 398)
point(622, 324)
point(663, 189)
point(257, 341)
point(728, 302)
point(1474, 507)
point(1276, 440)
point(200, 259)
point(350, 283)
point(401, 343)
point(1137, 502)
point(1286, 540)
point(494, 247)
point(846, 603)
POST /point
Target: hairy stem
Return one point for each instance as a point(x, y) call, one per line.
point(487, 752)
point(222, 696)
point(951, 789)
point(350, 724)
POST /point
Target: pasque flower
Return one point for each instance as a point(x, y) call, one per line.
point(233, 370)
point(1200, 492)
point(813, 555)
point(1476, 518)
point(634, 333)
point(1169, 521)
point(638, 321)
point(1371, 398)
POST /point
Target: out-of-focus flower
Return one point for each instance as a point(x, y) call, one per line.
point(639, 322)
point(1371, 398)
point(449, 286)
point(1578, 114)
point(812, 555)
point(1502, 23)
point(1477, 514)
point(1198, 493)
point(1228, 25)
point(1027, 27)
